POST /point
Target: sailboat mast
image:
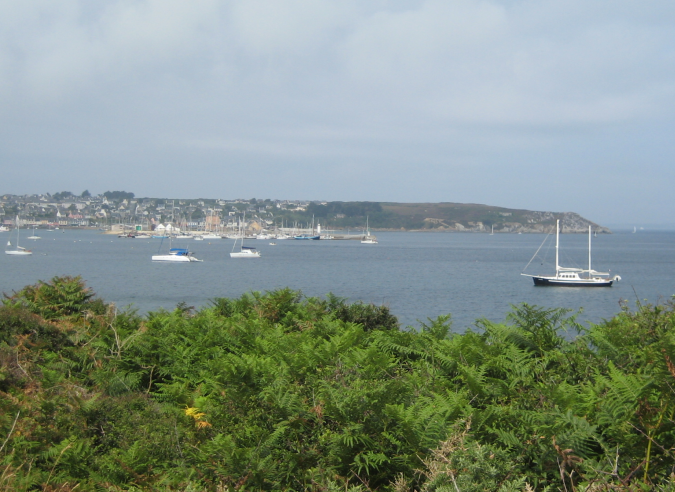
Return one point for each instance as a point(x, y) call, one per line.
point(589, 251)
point(557, 241)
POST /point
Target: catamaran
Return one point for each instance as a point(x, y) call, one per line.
point(572, 277)
point(176, 255)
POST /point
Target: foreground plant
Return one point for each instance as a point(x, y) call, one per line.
point(276, 391)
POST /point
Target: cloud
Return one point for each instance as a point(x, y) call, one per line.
point(58, 50)
point(418, 86)
point(292, 28)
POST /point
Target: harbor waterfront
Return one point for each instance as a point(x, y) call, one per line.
point(418, 275)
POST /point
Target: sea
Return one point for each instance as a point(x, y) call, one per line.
point(418, 275)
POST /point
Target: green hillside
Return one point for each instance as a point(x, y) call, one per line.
point(457, 217)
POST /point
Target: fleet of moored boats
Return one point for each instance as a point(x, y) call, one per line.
point(563, 276)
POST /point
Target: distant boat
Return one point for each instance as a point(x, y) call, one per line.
point(34, 236)
point(569, 277)
point(492, 230)
point(212, 236)
point(176, 255)
point(310, 237)
point(18, 251)
point(634, 229)
point(244, 251)
point(368, 239)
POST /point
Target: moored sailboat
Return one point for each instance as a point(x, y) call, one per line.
point(18, 251)
point(573, 277)
point(244, 251)
point(368, 239)
point(34, 236)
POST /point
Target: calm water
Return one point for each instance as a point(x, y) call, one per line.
point(418, 275)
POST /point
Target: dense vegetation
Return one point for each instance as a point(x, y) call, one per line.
point(425, 216)
point(276, 391)
point(118, 195)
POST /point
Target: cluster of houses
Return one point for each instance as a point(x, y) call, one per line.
point(148, 214)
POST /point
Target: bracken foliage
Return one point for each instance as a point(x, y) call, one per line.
point(276, 391)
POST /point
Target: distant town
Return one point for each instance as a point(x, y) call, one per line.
point(121, 211)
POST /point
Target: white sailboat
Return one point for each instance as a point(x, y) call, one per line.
point(368, 239)
point(34, 236)
point(244, 251)
point(18, 251)
point(572, 277)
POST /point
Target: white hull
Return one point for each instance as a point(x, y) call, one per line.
point(18, 252)
point(245, 254)
point(369, 241)
point(175, 258)
point(211, 236)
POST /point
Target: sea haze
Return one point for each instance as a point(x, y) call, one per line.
point(418, 275)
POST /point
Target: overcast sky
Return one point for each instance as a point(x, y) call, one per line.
point(555, 105)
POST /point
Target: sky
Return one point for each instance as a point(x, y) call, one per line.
point(551, 105)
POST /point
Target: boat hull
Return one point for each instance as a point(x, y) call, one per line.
point(244, 254)
point(554, 282)
point(18, 253)
point(174, 258)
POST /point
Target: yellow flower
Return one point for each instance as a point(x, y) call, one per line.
point(197, 416)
